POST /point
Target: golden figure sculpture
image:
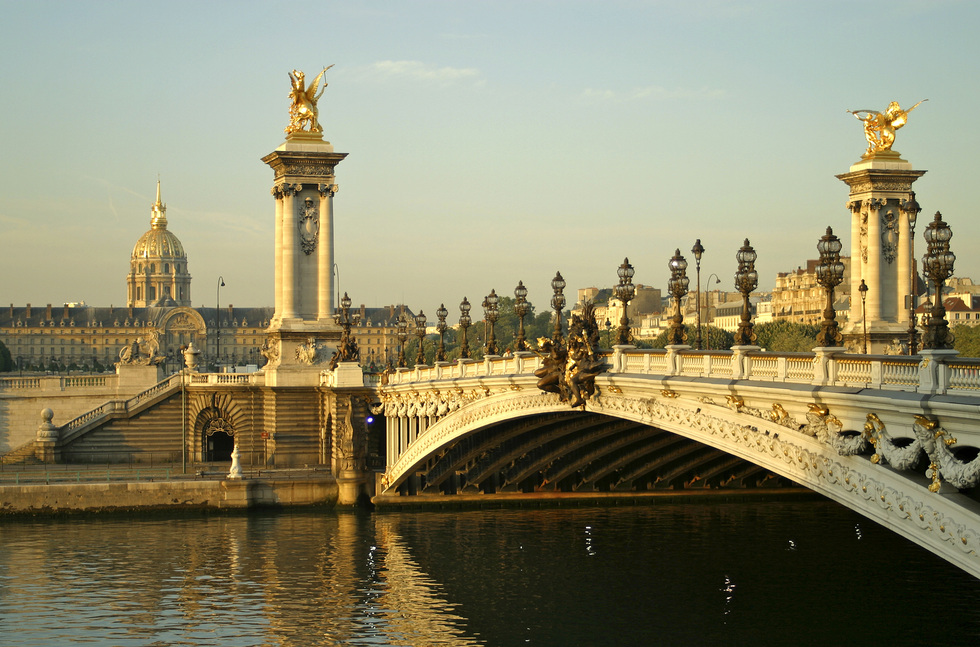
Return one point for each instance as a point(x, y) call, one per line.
point(880, 127)
point(303, 113)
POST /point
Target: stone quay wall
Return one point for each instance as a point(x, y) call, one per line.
point(57, 498)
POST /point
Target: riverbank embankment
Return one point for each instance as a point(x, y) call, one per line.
point(86, 489)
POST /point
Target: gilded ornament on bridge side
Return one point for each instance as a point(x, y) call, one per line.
point(569, 369)
point(880, 127)
point(303, 111)
point(936, 443)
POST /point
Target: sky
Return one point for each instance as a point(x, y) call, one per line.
point(489, 142)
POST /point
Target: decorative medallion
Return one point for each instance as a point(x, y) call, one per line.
point(889, 236)
point(309, 352)
point(309, 227)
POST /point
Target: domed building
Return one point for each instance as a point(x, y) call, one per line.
point(158, 311)
point(158, 273)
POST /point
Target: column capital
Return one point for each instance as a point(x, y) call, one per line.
point(328, 190)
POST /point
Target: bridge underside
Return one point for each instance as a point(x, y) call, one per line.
point(580, 452)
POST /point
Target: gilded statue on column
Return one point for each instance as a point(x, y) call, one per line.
point(303, 113)
point(880, 127)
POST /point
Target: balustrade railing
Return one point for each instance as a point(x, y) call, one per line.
point(896, 373)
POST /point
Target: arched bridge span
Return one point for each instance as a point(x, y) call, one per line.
point(892, 438)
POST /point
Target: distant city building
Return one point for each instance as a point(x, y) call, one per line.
point(159, 314)
point(798, 297)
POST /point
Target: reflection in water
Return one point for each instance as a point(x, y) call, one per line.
point(674, 574)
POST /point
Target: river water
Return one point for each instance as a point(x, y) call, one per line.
point(699, 573)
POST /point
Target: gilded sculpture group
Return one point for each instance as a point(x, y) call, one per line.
point(880, 127)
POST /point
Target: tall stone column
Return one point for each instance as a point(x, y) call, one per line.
point(302, 334)
point(880, 247)
point(325, 262)
point(287, 280)
point(278, 196)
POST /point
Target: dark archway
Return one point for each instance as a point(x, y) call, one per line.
point(218, 447)
point(217, 434)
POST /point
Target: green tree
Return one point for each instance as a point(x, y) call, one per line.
point(6, 361)
point(786, 337)
point(966, 339)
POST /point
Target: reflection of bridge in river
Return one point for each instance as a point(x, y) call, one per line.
point(681, 418)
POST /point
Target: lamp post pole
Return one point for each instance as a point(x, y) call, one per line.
point(698, 250)
point(707, 325)
point(402, 339)
point(464, 324)
point(557, 304)
point(863, 289)
point(746, 280)
point(521, 308)
point(420, 333)
point(441, 314)
point(938, 266)
point(491, 312)
point(830, 272)
point(911, 209)
point(217, 320)
point(625, 292)
point(677, 286)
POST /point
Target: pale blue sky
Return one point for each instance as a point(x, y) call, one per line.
point(489, 142)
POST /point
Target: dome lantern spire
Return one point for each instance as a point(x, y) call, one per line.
point(159, 219)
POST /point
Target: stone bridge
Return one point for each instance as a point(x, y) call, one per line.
point(893, 438)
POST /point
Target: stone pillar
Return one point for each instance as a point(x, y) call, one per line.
point(904, 268)
point(872, 271)
point(325, 284)
point(287, 280)
point(277, 194)
point(880, 247)
point(46, 440)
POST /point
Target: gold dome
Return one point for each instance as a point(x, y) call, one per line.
point(158, 244)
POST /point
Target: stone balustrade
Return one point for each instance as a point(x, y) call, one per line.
point(930, 372)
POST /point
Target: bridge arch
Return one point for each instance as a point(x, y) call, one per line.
point(944, 524)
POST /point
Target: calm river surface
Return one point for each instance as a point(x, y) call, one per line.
point(761, 573)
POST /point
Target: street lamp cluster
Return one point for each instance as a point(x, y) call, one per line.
point(937, 266)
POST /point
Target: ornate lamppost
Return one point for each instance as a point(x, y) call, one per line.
point(441, 314)
point(521, 307)
point(698, 250)
point(557, 304)
point(911, 210)
point(420, 333)
point(491, 311)
point(464, 324)
point(625, 292)
point(677, 286)
point(830, 272)
point(863, 289)
point(348, 351)
point(938, 266)
point(217, 321)
point(402, 339)
point(746, 280)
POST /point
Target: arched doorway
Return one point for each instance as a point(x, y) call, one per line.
point(217, 436)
